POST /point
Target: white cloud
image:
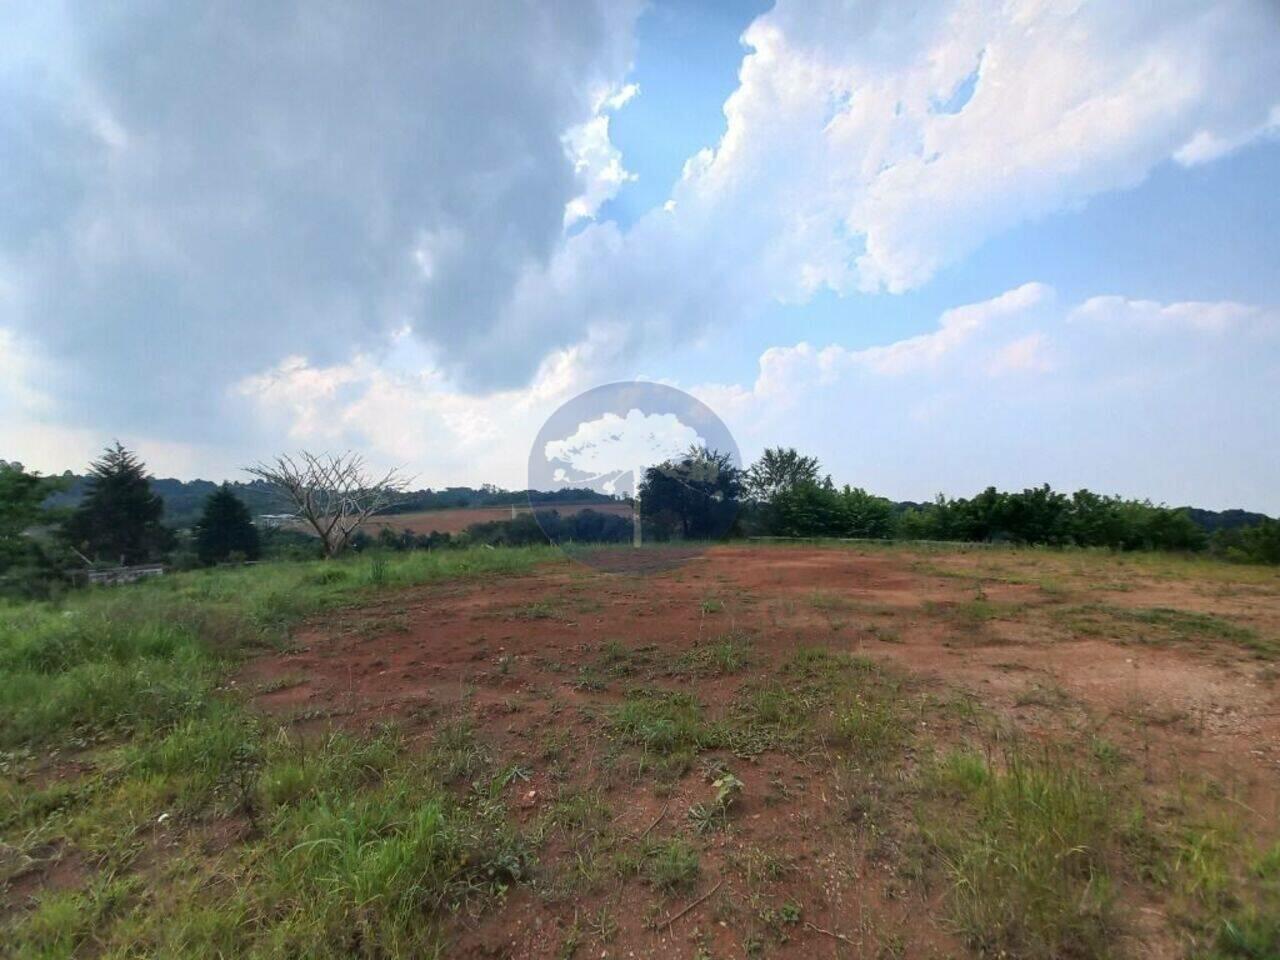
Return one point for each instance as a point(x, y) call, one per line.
point(1131, 396)
point(19, 370)
point(956, 327)
point(868, 145)
point(276, 219)
point(849, 158)
point(598, 165)
point(1220, 317)
point(188, 199)
point(405, 409)
point(1207, 146)
point(1169, 400)
point(1025, 355)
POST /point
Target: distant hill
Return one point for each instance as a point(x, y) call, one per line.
point(453, 498)
point(1212, 520)
point(184, 499)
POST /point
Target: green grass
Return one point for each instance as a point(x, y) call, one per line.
point(820, 696)
point(1028, 853)
point(973, 612)
point(670, 865)
point(1163, 625)
point(115, 661)
point(726, 654)
point(616, 660)
point(662, 721)
point(351, 845)
point(347, 843)
point(192, 827)
point(1229, 890)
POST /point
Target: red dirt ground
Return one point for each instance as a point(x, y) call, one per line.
point(508, 653)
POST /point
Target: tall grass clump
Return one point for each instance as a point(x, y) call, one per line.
point(662, 721)
point(371, 871)
point(1027, 849)
point(353, 847)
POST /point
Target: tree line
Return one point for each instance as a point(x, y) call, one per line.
point(118, 520)
point(788, 496)
point(704, 495)
point(701, 495)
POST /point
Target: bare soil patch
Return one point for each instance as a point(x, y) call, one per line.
point(537, 665)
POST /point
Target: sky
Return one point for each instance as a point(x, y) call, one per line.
point(938, 244)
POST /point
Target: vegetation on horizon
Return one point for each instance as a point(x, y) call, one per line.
point(701, 496)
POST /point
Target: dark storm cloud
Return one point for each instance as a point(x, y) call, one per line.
point(192, 193)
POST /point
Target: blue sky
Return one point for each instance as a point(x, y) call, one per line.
point(1208, 233)
point(938, 244)
point(686, 65)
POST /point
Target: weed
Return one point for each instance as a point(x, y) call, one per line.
point(538, 610)
point(730, 653)
point(1041, 694)
point(872, 728)
point(1029, 859)
point(662, 721)
point(671, 865)
point(825, 600)
point(714, 814)
point(456, 754)
point(1162, 625)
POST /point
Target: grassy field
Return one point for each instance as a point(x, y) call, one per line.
point(770, 751)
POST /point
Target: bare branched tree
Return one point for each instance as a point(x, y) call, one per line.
point(334, 493)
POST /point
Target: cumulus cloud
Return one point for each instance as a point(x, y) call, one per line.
point(403, 408)
point(1114, 393)
point(874, 143)
point(188, 196)
point(381, 229)
point(1169, 400)
point(868, 145)
point(596, 161)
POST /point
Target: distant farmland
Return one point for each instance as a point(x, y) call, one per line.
point(456, 521)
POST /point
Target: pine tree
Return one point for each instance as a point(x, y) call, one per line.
point(119, 517)
point(225, 528)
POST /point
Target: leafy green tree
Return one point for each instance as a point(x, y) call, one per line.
point(693, 498)
point(864, 515)
point(119, 517)
point(21, 495)
point(1036, 515)
point(807, 509)
point(1256, 543)
point(26, 566)
point(779, 470)
point(226, 529)
point(944, 519)
point(1099, 521)
point(1166, 528)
